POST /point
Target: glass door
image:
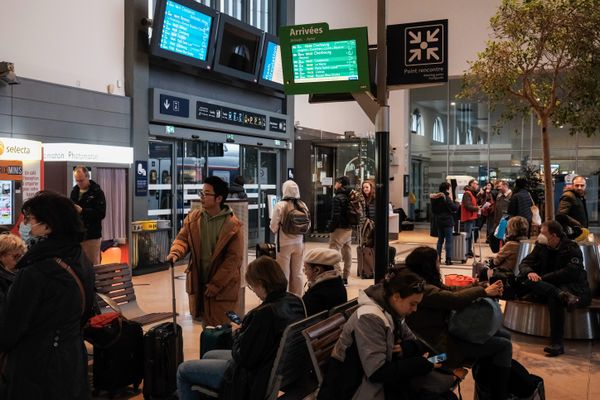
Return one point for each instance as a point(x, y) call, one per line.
point(160, 185)
point(260, 172)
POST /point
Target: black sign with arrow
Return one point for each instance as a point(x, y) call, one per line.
point(172, 105)
point(418, 52)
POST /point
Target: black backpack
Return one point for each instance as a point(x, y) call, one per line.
point(296, 218)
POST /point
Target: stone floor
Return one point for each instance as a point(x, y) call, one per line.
point(575, 375)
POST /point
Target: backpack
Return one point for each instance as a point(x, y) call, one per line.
point(356, 203)
point(477, 322)
point(296, 218)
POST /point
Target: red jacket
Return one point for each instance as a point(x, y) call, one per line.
point(468, 207)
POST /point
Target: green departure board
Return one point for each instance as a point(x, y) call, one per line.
point(318, 60)
point(325, 61)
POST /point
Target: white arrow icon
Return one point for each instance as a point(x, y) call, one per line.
point(432, 36)
point(414, 53)
point(432, 52)
point(167, 104)
point(416, 38)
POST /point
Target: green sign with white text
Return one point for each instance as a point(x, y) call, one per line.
point(318, 60)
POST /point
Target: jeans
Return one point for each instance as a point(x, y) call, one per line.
point(445, 234)
point(207, 372)
point(340, 240)
point(550, 294)
point(468, 226)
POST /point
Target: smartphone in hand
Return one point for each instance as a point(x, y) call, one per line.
point(233, 317)
point(439, 358)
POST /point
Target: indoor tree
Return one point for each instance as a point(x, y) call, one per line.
point(543, 57)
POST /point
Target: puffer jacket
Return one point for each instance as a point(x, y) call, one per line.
point(520, 205)
point(339, 209)
point(443, 209)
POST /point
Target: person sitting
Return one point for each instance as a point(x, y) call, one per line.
point(506, 259)
point(12, 249)
point(243, 372)
point(377, 355)
point(325, 285)
point(553, 272)
point(430, 322)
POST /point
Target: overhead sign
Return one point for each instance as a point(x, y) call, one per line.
point(92, 153)
point(418, 52)
point(20, 149)
point(228, 115)
point(11, 170)
point(172, 105)
point(316, 59)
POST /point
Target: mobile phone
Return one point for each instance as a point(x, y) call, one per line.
point(439, 358)
point(233, 317)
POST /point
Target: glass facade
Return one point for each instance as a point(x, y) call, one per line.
point(470, 145)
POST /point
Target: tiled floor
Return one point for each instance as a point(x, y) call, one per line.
point(576, 375)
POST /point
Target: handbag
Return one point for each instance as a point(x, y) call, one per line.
point(536, 219)
point(500, 232)
point(477, 322)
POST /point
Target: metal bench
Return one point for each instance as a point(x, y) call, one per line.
point(534, 319)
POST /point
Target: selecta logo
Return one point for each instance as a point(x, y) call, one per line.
point(1, 147)
point(13, 149)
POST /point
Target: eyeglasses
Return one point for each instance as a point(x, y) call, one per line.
point(202, 193)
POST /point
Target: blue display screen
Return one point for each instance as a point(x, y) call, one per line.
point(186, 31)
point(272, 70)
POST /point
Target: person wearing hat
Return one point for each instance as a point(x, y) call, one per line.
point(325, 286)
point(341, 230)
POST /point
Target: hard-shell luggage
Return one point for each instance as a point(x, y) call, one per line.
point(215, 338)
point(365, 257)
point(121, 362)
point(163, 351)
point(478, 263)
point(459, 247)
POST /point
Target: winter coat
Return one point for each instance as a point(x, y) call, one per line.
point(325, 293)
point(443, 209)
point(236, 191)
point(339, 209)
point(369, 207)
point(520, 205)
point(468, 207)
point(430, 321)
point(501, 206)
point(255, 346)
point(6, 279)
point(373, 331)
point(574, 207)
point(93, 204)
point(223, 272)
point(289, 191)
point(506, 259)
point(40, 328)
point(562, 267)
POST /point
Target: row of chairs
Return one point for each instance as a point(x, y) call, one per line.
point(303, 352)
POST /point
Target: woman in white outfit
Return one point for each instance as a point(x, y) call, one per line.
point(291, 247)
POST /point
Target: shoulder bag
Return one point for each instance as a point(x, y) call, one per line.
point(477, 322)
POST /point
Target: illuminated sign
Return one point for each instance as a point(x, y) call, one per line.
point(20, 149)
point(92, 153)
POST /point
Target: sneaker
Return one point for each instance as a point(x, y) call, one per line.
point(554, 350)
point(569, 300)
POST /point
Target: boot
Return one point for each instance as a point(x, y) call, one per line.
point(500, 383)
point(554, 350)
point(569, 300)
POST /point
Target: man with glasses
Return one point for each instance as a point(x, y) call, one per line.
point(213, 237)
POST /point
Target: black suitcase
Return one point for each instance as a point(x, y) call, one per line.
point(365, 261)
point(163, 351)
point(121, 363)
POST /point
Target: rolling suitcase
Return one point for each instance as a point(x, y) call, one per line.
point(120, 363)
point(459, 247)
point(365, 257)
point(163, 351)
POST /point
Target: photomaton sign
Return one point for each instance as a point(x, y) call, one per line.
point(316, 59)
point(418, 52)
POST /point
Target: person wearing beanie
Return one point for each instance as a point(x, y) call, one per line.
point(341, 230)
point(325, 286)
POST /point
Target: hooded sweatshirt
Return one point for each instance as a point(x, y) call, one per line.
point(209, 232)
point(290, 191)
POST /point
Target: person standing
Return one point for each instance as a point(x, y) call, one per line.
point(520, 203)
point(214, 238)
point(91, 205)
point(572, 203)
point(236, 189)
point(290, 247)
point(341, 230)
point(444, 208)
point(12, 249)
point(469, 213)
point(500, 209)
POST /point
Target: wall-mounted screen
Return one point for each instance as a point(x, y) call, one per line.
point(319, 60)
point(237, 49)
point(271, 71)
point(184, 31)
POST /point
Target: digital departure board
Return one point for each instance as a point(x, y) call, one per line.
point(325, 61)
point(184, 31)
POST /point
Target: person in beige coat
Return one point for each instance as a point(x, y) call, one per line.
point(214, 239)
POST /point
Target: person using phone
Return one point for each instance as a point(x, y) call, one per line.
point(243, 372)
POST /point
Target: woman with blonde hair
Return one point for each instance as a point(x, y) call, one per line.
point(12, 249)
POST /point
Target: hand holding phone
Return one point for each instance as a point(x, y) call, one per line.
point(439, 358)
point(233, 317)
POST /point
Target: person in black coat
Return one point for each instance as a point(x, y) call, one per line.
point(12, 249)
point(444, 209)
point(41, 321)
point(325, 286)
point(236, 189)
point(243, 372)
point(520, 202)
point(572, 203)
point(554, 273)
point(339, 226)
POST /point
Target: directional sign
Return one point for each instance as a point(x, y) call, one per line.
point(418, 52)
point(177, 106)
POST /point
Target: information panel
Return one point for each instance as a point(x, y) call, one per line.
point(229, 115)
point(272, 70)
point(186, 31)
point(325, 61)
